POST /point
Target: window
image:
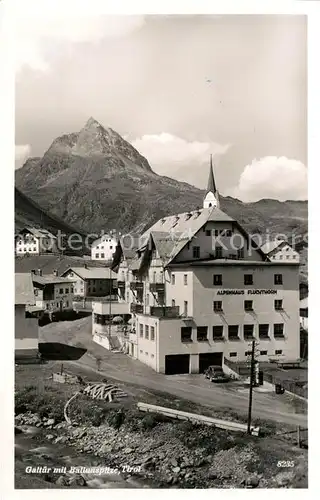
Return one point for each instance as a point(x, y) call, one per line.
point(173, 303)
point(233, 354)
point(278, 330)
point(248, 331)
point(278, 305)
point(186, 332)
point(263, 353)
point(202, 333)
point(280, 257)
point(147, 299)
point(61, 291)
point(217, 279)
point(102, 247)
point(264, 331)
point(278, 351)
point(102, 256)
point(233, 332)
point(173, 279)
point(217, 305)
point(185, 279)
point(248, 279)
point(196, 252)
point(278, 279)
point(147, 332)
point(240, 253)
point(34, 249)
point(229, 232)
point(141, 351)
point(67, 290)
point(110, 247)
point(71, 290)
point(185, 308)
point(218, 252)
point(208, 232)
point(217, 332)
point(67, 303)
point(152, 333)
point(248, 305)
point(248, 353)
point(97, 256)
point(141, 330)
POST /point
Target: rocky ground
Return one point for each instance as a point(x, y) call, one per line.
point(159, 451)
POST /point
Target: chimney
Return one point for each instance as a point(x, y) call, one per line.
point(55, 272)
point(33, 271)
point(40, 272)
point(86, 266)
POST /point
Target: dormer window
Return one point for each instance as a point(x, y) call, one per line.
point(163, 221)
point(188, 216)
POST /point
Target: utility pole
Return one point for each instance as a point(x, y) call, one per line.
point(109, 305)
point(252, 374)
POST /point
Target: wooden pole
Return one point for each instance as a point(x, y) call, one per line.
point(251, 388)
point(298, 435)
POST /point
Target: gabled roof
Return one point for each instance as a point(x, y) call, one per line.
point(104, 238)
point(269, 246)
point(93, 273)
point(187, 223)
point(171, 234)
point(24, 294)
point(37, 232)
point(50, 279)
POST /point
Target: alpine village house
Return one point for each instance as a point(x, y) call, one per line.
point(199, 290)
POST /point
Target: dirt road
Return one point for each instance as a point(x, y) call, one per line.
point(118, 366)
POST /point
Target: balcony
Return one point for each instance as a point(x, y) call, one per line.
point(136, 308)
point(136, 286)
point(165, 312)
point(156, 287)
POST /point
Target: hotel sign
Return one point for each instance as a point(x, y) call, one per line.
point(248, 292)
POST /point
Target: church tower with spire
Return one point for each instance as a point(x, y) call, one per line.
point(211, 198)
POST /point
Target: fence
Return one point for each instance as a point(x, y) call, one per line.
point(300, 388)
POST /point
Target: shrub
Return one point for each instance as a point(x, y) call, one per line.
point(45, 403)
point(116, 418)
point(148, 422)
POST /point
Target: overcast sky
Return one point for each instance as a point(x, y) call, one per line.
point(178, 88)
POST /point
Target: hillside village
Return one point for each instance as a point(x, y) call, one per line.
point(173, 297)
point(193, 295)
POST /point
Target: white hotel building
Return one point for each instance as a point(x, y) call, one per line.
point(200, 290)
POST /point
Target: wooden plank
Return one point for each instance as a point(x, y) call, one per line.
point(182, 415)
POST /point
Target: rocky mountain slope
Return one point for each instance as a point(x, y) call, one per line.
point(96, 180)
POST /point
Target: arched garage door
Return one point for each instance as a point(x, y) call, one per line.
point(177, 363)
point(209, 358)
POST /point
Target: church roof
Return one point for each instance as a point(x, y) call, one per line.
point(211, 182)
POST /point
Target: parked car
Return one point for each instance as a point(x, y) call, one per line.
point(215, 374)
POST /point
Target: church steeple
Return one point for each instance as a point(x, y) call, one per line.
point(211, 198)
